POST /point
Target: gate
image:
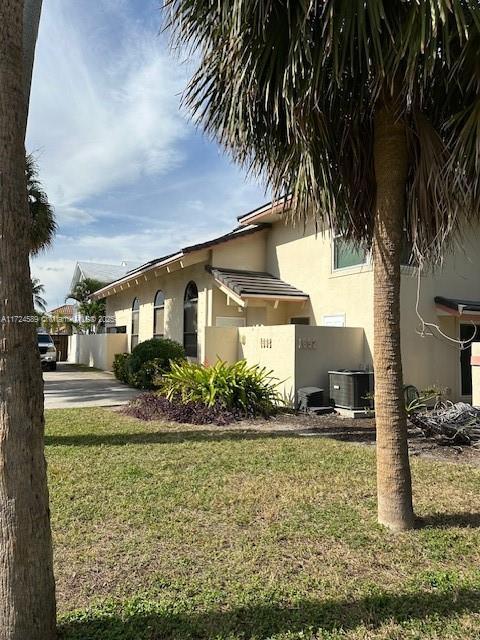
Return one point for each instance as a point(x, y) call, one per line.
point(60, 340)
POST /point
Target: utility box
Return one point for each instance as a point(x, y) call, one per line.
point(351, 388)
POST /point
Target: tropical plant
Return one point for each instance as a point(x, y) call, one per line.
point(38, 291)
point(250, 390)
point(27, 588)
point(367, 114)
point(43, 225)
point(91, 311)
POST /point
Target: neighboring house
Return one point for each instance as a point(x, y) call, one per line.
point(298, 302)
point(61, 317)
point(104, 273)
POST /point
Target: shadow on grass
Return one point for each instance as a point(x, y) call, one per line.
point(446, 520)
point(141, 622)
point(162, 437)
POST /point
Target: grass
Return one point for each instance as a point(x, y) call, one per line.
point(173, 532)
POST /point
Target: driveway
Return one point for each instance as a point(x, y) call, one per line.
point(73, 386)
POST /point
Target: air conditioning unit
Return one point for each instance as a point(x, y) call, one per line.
point(351, 388)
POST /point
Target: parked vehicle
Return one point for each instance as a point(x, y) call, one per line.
point(48, 352)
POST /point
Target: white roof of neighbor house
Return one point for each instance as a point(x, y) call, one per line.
point(100, 271)
point(105, 272)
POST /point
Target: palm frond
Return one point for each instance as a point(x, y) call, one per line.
point(290, 89)
point(44, 225)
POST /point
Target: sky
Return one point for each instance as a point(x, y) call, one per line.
point(129, 175)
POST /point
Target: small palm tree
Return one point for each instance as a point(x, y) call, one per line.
point(94, 310)
point(367, 113)
point(44, 226)
point(38, 290)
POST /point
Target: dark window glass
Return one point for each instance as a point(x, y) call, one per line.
point(190, 332)
point(158, 315)
point(300, 320)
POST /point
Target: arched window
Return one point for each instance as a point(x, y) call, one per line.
point(190, 304)
point(135, 323)
point(158, 314)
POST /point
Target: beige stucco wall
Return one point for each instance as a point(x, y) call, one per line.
point(96, 350)
point(247, 254)
point(304, 259)
point(301, 356)
point(221, 343)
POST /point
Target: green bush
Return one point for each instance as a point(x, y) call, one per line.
point(161, 349)
point(120, 366)
point(249, 390)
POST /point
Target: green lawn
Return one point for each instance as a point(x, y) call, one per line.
point(178, 532)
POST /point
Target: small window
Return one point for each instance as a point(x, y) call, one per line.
point(159, 315)
point(300, 320)
point(135, 323)
point(190, 307)
point(347, 254)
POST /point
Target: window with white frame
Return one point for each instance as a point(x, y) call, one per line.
point(347, 254)
point(159, 314)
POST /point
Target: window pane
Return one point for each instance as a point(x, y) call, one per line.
point(135, 322)
point(133, 342)
point(347, 254)
point(190, 344)
point(158, 322)
point(190, 317)
point(135, 305)
point(159, 299)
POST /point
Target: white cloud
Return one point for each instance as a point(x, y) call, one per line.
point(103, 112)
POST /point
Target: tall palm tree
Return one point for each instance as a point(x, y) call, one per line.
point(43, 226)
point(367, 113)
point(38, 290)
point(27, 590)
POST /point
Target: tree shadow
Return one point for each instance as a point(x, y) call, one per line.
point(161, 437)
point(266, 620)
point(465, 520)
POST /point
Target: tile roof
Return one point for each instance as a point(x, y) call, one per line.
point(255, 284)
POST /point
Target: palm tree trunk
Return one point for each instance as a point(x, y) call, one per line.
point(394, 484)
point(27, 596)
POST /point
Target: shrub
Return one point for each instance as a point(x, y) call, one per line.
point(237, 387)
point(120, 366)
point(150, 406)
point(149, 372)
point(162, 350)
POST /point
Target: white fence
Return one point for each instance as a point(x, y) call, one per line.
point(96, 350)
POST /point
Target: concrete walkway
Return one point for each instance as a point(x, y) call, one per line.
point(72, 386)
